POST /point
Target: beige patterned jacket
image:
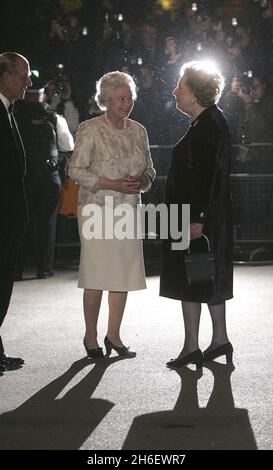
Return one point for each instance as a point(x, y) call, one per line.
point(101, 150)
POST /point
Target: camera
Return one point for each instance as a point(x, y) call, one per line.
point(200, 11)
point(231, 40)
point(59, 81)
point(113, 23)
point(69, 33)
point(52, 165)
point(264, 4)
point(65, 27)
point(201, 17)
point(59, 86)
point(246, 89)
point(246, 86)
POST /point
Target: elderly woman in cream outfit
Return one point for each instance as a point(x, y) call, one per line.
point(111, 162)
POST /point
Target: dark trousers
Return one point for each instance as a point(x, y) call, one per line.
point(45, 199)
point(43, 193)
point(9, 247)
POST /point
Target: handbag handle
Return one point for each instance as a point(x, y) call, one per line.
point(207, 240)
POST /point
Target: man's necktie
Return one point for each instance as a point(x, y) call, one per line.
point(17, 137)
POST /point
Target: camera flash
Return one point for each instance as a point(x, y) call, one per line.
point(234, 22)
point(194, 7)
point(120, 17)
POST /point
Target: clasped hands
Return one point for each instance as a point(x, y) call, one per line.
point(129, 184)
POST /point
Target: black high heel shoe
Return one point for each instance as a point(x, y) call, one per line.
point(223, 350)
point(95, 353)
point(195, 357)
point(123, 351)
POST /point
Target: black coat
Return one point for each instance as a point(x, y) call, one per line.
point(13, 218)
point(13, 205)
point(199, 176)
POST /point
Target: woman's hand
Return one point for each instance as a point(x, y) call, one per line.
point(196, 230)
point(128, 184)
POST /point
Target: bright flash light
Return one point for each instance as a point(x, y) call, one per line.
point(166, 4)
point(207, 65)
point(36, 73)
point(120, 17)
point(194, 7)
point(234, 22)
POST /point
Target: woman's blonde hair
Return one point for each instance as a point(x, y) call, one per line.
point(108, 83)
point(205, 81)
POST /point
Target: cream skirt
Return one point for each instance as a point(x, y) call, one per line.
point(110, 264)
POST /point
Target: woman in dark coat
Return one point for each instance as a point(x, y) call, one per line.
point(199, 176)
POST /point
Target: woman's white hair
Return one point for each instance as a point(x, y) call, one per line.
point(108, 83)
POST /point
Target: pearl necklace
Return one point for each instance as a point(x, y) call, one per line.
point(112, 127)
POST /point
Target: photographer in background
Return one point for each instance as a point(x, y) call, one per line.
point(234, 108)
point(148, 109)
point(258, 119)
point(70, 43)
point(45, 134)
point(257, 123)
point(59, 97)
point(258, 130)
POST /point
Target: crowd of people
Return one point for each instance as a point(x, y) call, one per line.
point(153, 50)
point(73, 50)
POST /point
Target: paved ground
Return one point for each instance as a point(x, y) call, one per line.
point(61, 400)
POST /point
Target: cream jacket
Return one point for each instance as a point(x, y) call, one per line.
point(101, 150)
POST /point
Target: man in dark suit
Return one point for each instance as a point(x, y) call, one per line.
point(14, 80)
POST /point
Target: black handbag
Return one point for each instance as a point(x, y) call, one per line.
point(200, 266)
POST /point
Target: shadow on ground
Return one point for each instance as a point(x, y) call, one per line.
point(218, 426)
point(47, 422)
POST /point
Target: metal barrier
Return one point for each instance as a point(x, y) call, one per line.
point(252, 193)
point(253, 217)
